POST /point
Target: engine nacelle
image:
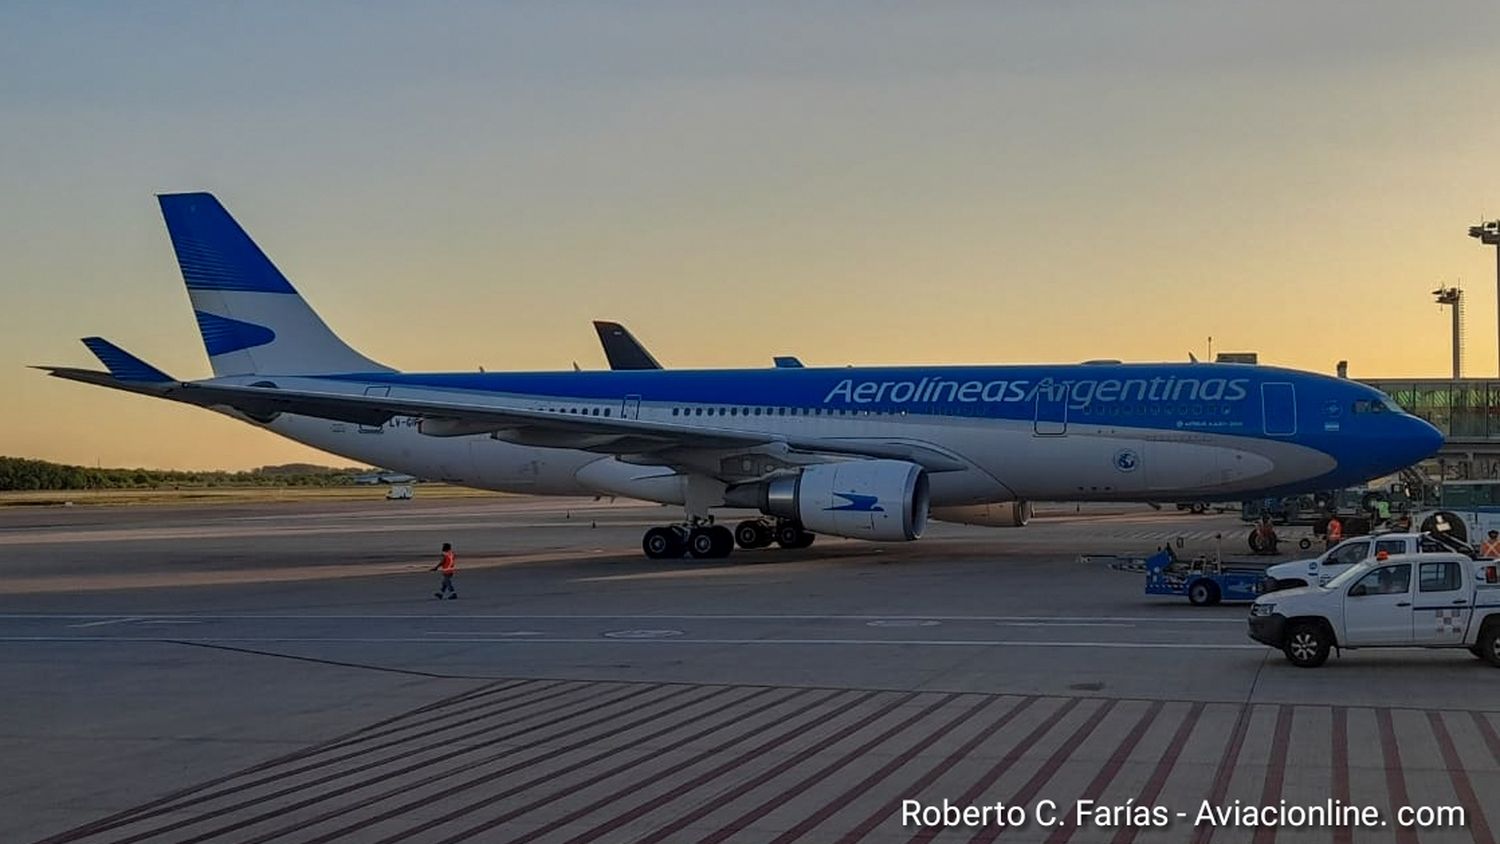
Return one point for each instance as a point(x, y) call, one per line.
point(1006, 514)
point(880, 500)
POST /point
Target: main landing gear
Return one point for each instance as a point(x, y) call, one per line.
point(705, 541)
point(759, 533)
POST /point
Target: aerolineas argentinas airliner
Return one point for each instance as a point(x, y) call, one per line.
point(863, 452)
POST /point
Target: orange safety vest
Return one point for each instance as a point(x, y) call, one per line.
point(1490, 548)
point(446, 566)
point(1335, 530)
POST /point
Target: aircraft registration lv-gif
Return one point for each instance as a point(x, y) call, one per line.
point(862, 452)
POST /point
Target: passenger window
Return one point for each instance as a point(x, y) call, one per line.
point(1386, 580)
point(1438, 577)
point(1349, 553)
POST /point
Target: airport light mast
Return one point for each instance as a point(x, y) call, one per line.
point(1488, 233)
point(1454, 297)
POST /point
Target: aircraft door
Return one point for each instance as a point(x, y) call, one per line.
point(631, 407)
point(1051, 410)
point(1377, 608)
point(1278, 406)
point(374, 391)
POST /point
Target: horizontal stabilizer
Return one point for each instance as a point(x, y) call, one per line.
point(123, 365)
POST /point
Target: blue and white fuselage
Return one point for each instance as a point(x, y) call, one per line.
point(1092, 432)
point(854, 451)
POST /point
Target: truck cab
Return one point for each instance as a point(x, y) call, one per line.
point(1428, 600)
point(1324, 567)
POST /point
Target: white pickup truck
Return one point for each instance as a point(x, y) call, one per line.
point(1434, 600)
point(1336, 560)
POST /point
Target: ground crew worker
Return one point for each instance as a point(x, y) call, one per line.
point(1267, 538)
point(1334, 533)
point(446, 566)
point(1490, 548)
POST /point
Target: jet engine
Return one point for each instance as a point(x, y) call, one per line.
point(880, 500)
point(1005, 514)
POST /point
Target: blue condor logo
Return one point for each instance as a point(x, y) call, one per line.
point(858, 503)
point(1079, 394)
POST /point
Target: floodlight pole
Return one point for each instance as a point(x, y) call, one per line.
point(1488, 233)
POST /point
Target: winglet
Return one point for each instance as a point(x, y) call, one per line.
point(123, 365)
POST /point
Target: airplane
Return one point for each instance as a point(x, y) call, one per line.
point(623, 351)
point(861, 452)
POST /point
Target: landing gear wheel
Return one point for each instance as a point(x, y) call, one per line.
point(661, 543)
point(701, 543)
point(752, 533)
point(710, 542)
point(723, 539)
point(1203, 593)
point(791, 535)
point(1307, 645)
point(1488, 646)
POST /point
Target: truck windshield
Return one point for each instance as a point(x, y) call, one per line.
point(1346, 577)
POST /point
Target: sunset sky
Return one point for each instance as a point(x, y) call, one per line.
point(454, 185)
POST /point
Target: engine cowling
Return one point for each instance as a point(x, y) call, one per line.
point(1005, 514)
point(879, 500)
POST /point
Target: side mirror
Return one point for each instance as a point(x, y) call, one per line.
point(1358, 591)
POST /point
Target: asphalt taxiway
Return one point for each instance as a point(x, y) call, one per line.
point(258, 673)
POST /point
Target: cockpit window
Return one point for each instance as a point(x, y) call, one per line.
point(1381, 405)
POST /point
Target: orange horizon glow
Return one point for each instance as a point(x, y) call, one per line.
point(869, 186)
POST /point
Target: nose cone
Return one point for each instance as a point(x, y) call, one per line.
point(1419, 440)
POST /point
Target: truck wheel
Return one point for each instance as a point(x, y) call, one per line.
point(1255, 542)
point(1488, 646)
point(1304, 543)
point(1307, 645)
point(1203, 593)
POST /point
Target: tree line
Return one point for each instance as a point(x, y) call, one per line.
point(18, 473)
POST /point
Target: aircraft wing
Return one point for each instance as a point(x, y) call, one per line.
point(688, 446)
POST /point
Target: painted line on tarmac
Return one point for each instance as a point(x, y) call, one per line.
point(371, 640)
point(1056, 619)
point(106, 622)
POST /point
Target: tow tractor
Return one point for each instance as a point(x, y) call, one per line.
point(1204, 579)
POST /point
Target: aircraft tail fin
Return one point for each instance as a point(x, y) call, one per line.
point(621, 347)
point(123, 365)
point(252, 320)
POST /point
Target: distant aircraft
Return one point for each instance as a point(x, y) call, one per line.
point(624, 352)
point(859, 452)
point(377, 478)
